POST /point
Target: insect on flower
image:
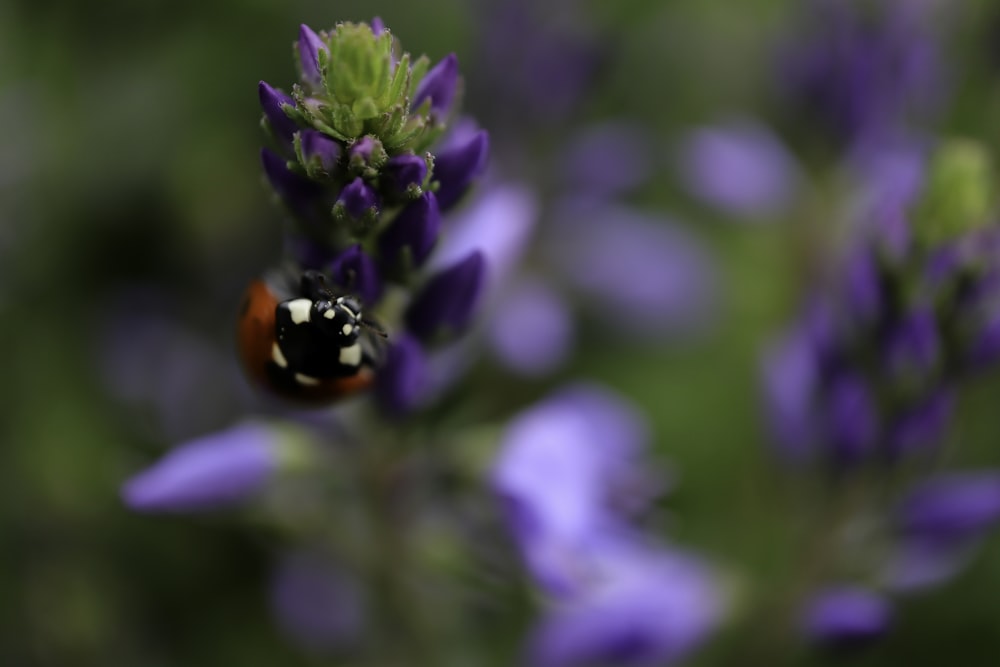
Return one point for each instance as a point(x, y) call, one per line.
point(304, 341)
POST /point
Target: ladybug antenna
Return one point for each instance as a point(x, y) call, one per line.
point(374, 327)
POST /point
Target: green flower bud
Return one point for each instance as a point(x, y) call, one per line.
point(959, 193)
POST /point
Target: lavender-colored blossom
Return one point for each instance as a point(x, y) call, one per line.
point(377, 26)
point(321, 148)
point(309, 45)
point(439, 86)
point(362, 151)
point(564, 467)
point(532, 330)
point(317, 606)
point(403, 377)
point(457, 165)
point(921, 563)
point(641, 607)
point(951, 507)
point(216, 470)
point(355, 270)
point(403, 172)
point(740, 168)
point(655, 276)
point(845, 616)
point(923, 425)
point(607, 160)
point(415, 230)
point(272, 102)
point(358, 198)
point(449, 299)
point(863, 289)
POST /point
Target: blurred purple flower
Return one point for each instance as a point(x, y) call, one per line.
point(213, 471)
point(607, 160)
point(298, 193)
point(865, 74)
point(438, 86)
point(449, 298)
point(568, 475)
point(846, 616)
point(952, 506)
point(790, 380)
point(640, 607)
point(923, 425)
point(853, 418)
point(653, 275)
point(740, 168)
point(914, 346)
point(532, 329)
point(316, 605)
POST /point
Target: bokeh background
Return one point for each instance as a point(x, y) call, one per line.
point(133, 211)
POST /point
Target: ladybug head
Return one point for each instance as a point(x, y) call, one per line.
point(339, 319)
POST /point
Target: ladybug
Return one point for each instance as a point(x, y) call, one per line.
point(304, 341)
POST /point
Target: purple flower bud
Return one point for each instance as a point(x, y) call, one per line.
point(952, 507)
point(362, 150)
point(309, 46)
point(377, 26)
point(402, 380)
point(448, 299)
point(416, 227)
point(853, 419)
point(356, 271)
point(607, 160)
point(318, 146)
point(299, 193)
point(213, 471)
point(438, 85)
point(863, 285)
point(403, 171)
point(846, 616)
point(915, 344)
point(317, 606)
point(358, 198)
point(272, 101)
point(458, 165)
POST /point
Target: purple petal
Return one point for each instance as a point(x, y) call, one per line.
point(404, 171)
point(358, 198)
point(656, 277)
point(914, 347)
point(448, 300)
point(953, 506)
point(355, 271)
point(214, 471)
point(457, 166)
point(309, 45)
point(863, 285)
point(608, 160)
point(272, 101)
point(316, 605)
point(416, 227)
point(740, 168)
point(298, 193)
point(642, 608)
point(402, 380)
point(565, 466)
point(438, 85)
point(846, 616)
point(362, 150)
point(531, 331)
point(377, 26)
point(320, 147)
